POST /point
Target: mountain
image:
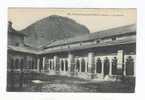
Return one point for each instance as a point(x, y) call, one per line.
point(52, 28)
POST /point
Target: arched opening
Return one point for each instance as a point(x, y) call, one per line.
point(30, 64)
point(33, 64)
point(129, 66)
point(53, 64)
point(40, 64)
point(83, 65)
point(87, 67)
point(47, 64)
point(50, 64)
point(11, 64)
point(22, 64)
point(66, 65)
point(114, 66)
point(98, 66)
point(17, 63)
point(62, 65)
point(106, 66)
point(78, 65)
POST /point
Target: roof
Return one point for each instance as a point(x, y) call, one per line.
point(44, 51)
point(131, 29)
point(23, 49)
point(108, 43)
point(96, 35)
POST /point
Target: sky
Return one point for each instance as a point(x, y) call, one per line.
point(93, 19)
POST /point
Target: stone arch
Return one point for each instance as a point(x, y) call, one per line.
point(83, 65)
point(98, 65)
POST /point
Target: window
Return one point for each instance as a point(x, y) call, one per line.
point(113, 38)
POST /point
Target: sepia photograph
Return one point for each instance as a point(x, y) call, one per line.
point(86, 50)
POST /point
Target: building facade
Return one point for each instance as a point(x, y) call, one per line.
point(101, 55)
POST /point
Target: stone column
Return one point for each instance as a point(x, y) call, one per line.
point(95, 66)
point(64, 64)
point(52, 64)
point(70, 61)
point(102, 61)
point(124, 65)
point(120, 61)
point(124, 71)
point(134, 59)
point(43, 63)
point(56, 62)
point(110, 68)
point(90, 61)
point(38, 64)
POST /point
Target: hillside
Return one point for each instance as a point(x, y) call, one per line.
point(52, 28)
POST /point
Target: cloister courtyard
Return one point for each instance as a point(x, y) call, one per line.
point(41, 82)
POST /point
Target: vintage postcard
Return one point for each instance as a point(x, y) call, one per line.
point(71, 50)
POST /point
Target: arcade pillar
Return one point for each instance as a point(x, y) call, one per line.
point(90, 61)
point(70, 62)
